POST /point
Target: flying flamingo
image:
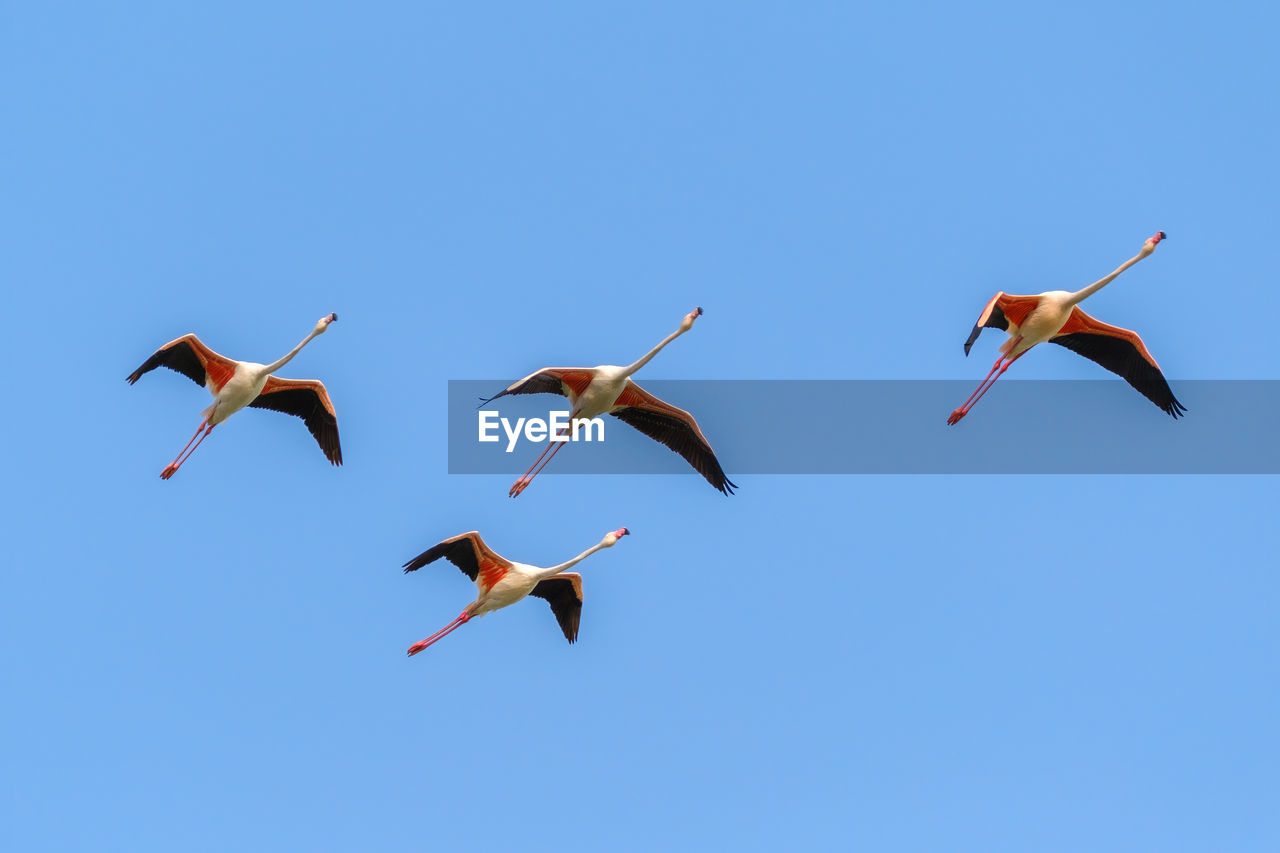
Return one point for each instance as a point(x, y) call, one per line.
point(1055, 316)
point(608, 389)
point(502, 582)
point(236, 384)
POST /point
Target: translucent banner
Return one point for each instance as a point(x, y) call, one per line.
point(890, 427)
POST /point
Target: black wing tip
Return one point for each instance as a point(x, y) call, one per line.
point(143, 369)
point(1175, 409)
point(435, 552)
point(973, 336)
point(727, 487)
point(419, 561)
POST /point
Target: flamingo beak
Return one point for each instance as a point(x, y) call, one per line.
point(621, 531)
point(333, 318)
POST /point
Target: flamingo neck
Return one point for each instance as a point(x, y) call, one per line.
point(1081, 295)
point(651, 353)
point(276, 365)
point(569, 564)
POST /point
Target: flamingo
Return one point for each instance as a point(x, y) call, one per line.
point(503, 582)
point(1055, 316)
point(236, 384)
point(608, 389)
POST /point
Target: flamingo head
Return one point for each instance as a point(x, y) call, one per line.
point(613, 536)
point(687, 323)
point(323, 322)
point(1150, 246)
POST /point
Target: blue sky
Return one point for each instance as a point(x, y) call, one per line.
point(892, 663)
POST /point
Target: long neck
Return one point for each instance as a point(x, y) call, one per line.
point(651, 353)
point(276, 365)
point(1081, 295)
point(543, 574)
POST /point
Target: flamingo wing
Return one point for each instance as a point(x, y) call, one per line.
point(564, 593)
point(1123, 353)
point(190, 357)
point(565, 381)
point(306, 399)
point(468, 552)
point(673, 427)
point(1001, 312)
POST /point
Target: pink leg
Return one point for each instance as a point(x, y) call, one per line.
point(553, 447)
point(183, 460)
point(203, 424)
point(982, 389)
point(978, 392)
point(527, 475)
point(523, 483)
point(965, 405)
point(457, 623)
point(1001, 365)
point(172, 467)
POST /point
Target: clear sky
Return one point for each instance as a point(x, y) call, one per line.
point(819, 662)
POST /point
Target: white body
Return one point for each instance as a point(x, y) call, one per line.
point(241, 389)
point(249, 378)
point(606, 387)
point(521, 578)
point(608, 381)
point(1044, 321)
point(1054, 308)
point(518, 582)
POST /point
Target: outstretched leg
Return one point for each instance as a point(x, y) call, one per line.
point(520, 484)
point(1002, 364)
point(965, 405)
point(535, 469)
point(461, 620)
point(172, 467)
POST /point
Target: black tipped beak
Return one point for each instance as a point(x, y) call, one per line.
point(1162, 235)
point(626, 532)
point(333, 318)
point(697, 312)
